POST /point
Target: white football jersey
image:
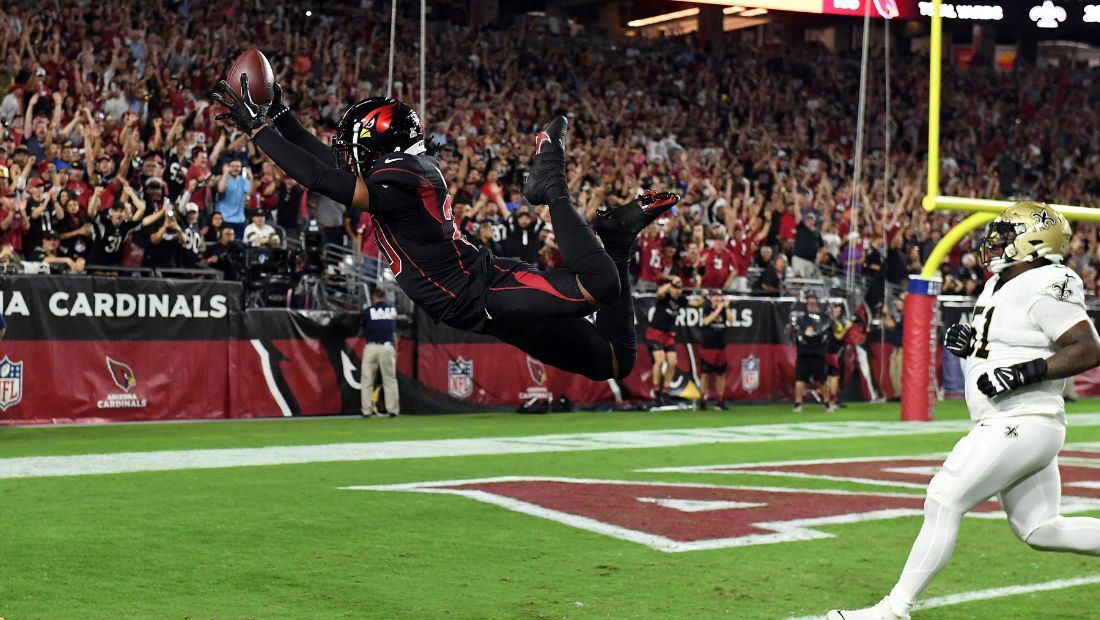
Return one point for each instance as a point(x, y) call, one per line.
point(1018, 323)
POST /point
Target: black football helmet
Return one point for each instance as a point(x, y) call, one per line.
point(374, 127)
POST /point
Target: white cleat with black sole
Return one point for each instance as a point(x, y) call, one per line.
point(881, 611)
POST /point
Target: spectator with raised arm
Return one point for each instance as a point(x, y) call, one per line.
point(233, 187)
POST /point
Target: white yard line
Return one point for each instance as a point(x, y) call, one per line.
point(124, 462)
point(982, 595)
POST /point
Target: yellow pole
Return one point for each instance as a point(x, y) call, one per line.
point(935, 57)
point(931, 267)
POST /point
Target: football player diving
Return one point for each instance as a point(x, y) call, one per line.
point(378, 163)
point(1029, 332)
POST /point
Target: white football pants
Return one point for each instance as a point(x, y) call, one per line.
point(1015, 459)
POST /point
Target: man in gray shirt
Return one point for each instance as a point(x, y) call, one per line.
point(330, 216)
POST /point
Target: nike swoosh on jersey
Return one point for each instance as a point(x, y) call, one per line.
point(390, 161)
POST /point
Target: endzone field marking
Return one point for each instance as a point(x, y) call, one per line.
point(788, 530)
point(782, 531)
point(168, 460)
point(983, 595)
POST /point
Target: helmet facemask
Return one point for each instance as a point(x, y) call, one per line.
point(355, 158)
point(998, 249)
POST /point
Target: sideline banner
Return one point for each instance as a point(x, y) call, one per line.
point(101, 348)
point(294, 363)
point(759, 354)
point(89, 349)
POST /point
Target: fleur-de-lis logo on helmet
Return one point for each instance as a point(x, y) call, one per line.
point(1043, 220)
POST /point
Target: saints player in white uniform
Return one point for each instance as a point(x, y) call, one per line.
point(1029, 332)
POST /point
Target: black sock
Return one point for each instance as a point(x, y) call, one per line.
point(616, 324)
point(583, 253)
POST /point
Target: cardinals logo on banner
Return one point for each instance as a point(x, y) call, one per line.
point(537, 370)
point(124, 378)
point(460, 378)
point(122, 374)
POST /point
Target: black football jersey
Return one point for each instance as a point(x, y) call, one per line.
point(442, 272)
point(714, 335)
point(665, 312)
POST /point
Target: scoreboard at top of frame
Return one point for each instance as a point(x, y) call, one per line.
point(1042, 14)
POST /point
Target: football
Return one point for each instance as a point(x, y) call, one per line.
point(261, 79)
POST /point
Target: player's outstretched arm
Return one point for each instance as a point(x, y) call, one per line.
point(292, 130)
point(340, 185)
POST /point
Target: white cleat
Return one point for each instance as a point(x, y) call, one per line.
point(881, 611)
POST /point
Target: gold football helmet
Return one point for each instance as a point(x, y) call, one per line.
point(1023, 232)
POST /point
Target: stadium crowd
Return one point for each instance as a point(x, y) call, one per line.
point(111, 155)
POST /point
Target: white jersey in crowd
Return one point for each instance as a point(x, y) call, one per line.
point(1016, 323)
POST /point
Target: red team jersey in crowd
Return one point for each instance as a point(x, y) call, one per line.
point(718, 265)
point(742, 252)
point(654, 263)
point(787, 226)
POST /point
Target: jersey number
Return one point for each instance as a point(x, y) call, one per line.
point(449, 220)
point(983, 318)
point(655, 259)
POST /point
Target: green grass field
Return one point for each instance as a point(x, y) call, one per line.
point(172, 534)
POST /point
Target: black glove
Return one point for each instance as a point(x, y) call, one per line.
point(959, 339)
point(1000, 380)
point(277, 106)
point(245, 114)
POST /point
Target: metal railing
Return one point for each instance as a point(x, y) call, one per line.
point(348, 275)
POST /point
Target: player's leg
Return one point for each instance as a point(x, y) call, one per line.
point(367, 368)
point(581, 251)
point(993, 456)
point(520, 291)
point(572, 344)
point(521, 294)
point(600, 268)
point(1033, 504)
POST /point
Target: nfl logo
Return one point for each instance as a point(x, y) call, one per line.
point(750, 373)
point(11, 383)
point(460, 378)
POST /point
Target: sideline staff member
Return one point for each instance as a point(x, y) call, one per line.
point(379, 353)
point(811, 334)
point(660, 337)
